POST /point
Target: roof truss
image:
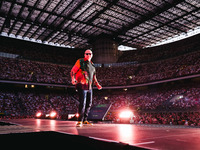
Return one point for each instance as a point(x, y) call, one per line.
point(77, 23)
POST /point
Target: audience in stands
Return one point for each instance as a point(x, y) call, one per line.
point(171, 104)
point(40, 72)
point(169, 118)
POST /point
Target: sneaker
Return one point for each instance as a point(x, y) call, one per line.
point(79, 124)
point(87, 122)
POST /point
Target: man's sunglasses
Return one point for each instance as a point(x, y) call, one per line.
point(88, 53)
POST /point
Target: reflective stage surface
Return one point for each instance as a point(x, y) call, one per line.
point(148, 136)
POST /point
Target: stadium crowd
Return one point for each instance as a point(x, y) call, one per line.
point(169, 104)
point(162, 101)
point(152, 64)
point(19, 104)
point(42, 72)
point(31, 71)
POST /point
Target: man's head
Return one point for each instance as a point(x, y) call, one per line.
point(88, 55)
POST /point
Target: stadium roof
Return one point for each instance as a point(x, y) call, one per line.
point(75, 23)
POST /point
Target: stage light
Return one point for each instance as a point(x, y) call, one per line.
point(77, 115)
point(126, 114)
point(38, 114)
point(52, 114)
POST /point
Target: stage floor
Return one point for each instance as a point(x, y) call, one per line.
point(148, 136)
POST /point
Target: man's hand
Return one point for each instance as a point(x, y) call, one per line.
point(74, 81)
point(99, 86)
point(97, 83)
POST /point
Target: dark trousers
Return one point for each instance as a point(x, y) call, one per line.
point(85, 99)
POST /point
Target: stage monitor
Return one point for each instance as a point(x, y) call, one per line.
point(98, 112)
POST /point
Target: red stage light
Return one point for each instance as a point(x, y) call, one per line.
point(52, 114)
point(126, 114)
point(77, 115)
point(38, 114)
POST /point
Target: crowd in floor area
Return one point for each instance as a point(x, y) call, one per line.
point(170, 98)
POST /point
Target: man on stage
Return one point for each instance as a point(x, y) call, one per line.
point(83, 75)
